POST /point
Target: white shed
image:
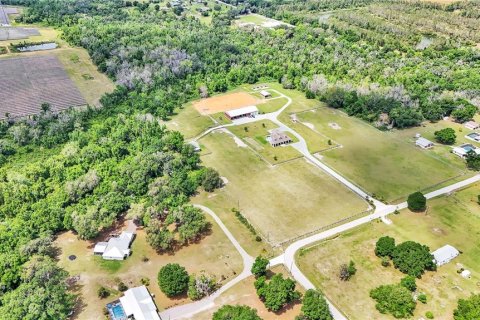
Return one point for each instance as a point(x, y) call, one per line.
point(265, 94)
point(444, 255)
point(424, 143)
point(466, 274)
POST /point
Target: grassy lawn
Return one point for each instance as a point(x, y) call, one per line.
point(244, 293)
point(453, 220)
point(189, 122)
point(214, 254)
point(272, 105)
point(388, 167)
point(282, 202)
point(255, 134)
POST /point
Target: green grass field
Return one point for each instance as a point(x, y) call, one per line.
point(282, 202)
point(254, 134)
point(272, 105)
point(189, 122)
point(388, 167)
point(453, 220)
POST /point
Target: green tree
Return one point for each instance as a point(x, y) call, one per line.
point(200, 286)
point(385, 246)
point(102, 292)
point(464, 112)
point(315, 307)
point(413, 258)
point(173, 279)
point(446, 136)
point(259, 267)
point(158, 236)
point(394, 299)
point(417, 202)
point(228, 312)
point(276, 293)
point(211, 180)
point(473, 160)
point(347, 271)
point(468, 309)
point(409, 282)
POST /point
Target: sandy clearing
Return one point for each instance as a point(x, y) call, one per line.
point(225, 102)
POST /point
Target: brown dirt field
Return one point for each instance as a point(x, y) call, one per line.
point(244, 293)
point(225, 102)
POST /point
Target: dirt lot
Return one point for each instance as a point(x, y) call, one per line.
point(225, 102)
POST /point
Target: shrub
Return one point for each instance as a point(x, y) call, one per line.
point(422, 297)
point(409, 283)
point(446, 136)
point(394, 299)
point(385, 262)
point(102, 292)
point(468, 309)
point(236, 312)
point(259, 267)
point(122, 286)
point(173, 279)
point(201, 286)
point(417, 202)
point(145, 281)
point(385, 246)
point(429, 315)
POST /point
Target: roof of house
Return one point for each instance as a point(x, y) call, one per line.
point(278, 136)
point(463, 151)
point(471, 124)
point(265, 93)
point(424, 142)
point(241, 111)
point(100, 247)
point(119, 246)
point(446, 252)
point(138, 302)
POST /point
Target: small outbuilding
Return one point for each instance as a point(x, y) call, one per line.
point(250, 111)
point(472, 125)
point(444, 255)
point(424, 143)
point(466, 274)
point(265, 94)
point(277, 138)
point(195, 145)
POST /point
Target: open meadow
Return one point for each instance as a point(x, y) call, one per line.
point(282, 202)
point(214, 254)
point(385, 166)
point(244, 293)
point(453, 220)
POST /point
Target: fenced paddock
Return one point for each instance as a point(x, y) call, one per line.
point(26, 83)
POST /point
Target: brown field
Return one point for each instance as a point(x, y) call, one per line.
point(225, 102)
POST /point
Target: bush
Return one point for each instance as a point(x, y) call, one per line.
point(347, 271)
point(102, 292)
point(385, 247)
point(122, 286)
point(446, 136)
point(259, 267)
point(422, 297)
point(429, 315)
point(201, 286)
point(385, 262)
point(276, 293)
point(468, 309)
point(409, 283)
point(394, 299)
point(173, 279)
point(236, 312)
point(145, 281)
point(417, 202)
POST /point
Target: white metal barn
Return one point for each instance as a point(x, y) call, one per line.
point(445, 254)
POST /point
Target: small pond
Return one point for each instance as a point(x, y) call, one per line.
point(38, 47)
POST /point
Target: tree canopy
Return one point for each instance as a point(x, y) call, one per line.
point(385, 246)
point(315, 307)
point(173, 279)
point(413, 258)
point(277, 292)
point(468, 309)
point(394, 299)
point(417, 202)
point(229, 312)
point(446, 136)
point(259, 267)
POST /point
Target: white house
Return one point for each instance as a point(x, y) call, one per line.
point(116, 248)
point(138, 303)
point(444, 255)
point(424, 143)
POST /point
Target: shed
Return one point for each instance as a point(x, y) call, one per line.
point(265, 94)
point(100, 248)
point(250, 111)
point(445, 254)
point(466, 274)
point(424, 143)
point(195, 145)
point(472, 125)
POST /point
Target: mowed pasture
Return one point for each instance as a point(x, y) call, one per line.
point(244, 293)
point(28, 82)
point(453, 220)
point(281, 202)
point(214, 254)
point(385, 166)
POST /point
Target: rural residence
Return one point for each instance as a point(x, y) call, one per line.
point(472, 125)
point(137, 303)
point(117, 248)
point(278, 138)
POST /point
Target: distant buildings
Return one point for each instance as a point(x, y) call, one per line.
point(135, 304)
point(116, 248)
point(250, 112)
point(472, 125)
point(474, 136)
point(424, 143)
point(444, 255)
point(278, 138)
point(463, 150)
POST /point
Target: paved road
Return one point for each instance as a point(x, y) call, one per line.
point(3, 16)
